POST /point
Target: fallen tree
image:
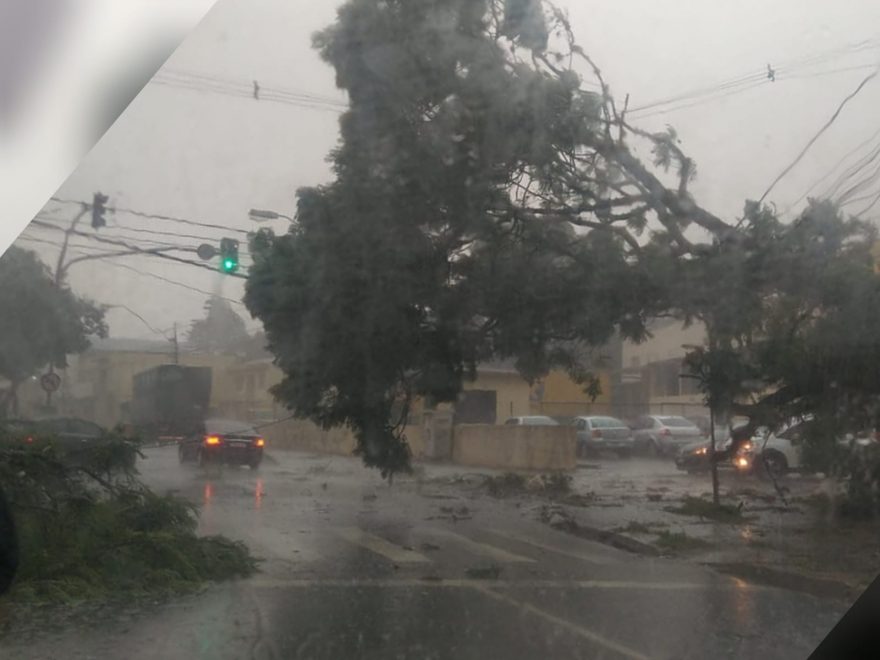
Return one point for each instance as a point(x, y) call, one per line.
point(493, 200)
point(90, 529)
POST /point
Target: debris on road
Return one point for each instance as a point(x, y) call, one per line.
point(491, 572)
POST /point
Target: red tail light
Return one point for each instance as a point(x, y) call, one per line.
point(665, 432)
point(212, 440)
point(597, 433)
point(259, 442)
point(29, 439)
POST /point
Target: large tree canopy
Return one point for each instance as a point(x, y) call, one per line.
point(490, 202)
point(41, 323)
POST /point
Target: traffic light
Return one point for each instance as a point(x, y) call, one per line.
point(228, 255)
point(98, 209)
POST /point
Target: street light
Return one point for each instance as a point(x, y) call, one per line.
point(260, 215)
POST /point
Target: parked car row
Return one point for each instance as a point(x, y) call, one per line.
point(654, 435)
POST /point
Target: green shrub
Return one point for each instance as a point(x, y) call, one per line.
point(88, 528)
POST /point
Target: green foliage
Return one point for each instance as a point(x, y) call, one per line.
point(488, 204)
point(89, 529)
point(221, 329)
point(412, 267)
point(41, 323)
point(861, 471)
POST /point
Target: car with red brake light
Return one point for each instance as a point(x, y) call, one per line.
point(224, 442)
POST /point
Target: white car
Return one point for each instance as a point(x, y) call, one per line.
point(781, 452)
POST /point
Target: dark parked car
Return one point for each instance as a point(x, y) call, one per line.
point(8, 546)
point(664, 435)
point(65, 433)
point(223, 441)
point(595, 433)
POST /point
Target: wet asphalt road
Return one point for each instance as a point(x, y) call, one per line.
point(355, 568)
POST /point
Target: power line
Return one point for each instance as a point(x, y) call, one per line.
point(819, 133)
point(157, 216)
point(251, 87)
point(138, 316)
point(115, 228)
point(839, 181)
point(782, 71)
point(78, 249)
point(174, 282)
point(146, 251)
point(262, 96)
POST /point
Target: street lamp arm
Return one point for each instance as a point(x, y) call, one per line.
point(263, 214)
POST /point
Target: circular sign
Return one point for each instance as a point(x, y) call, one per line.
point(50, 382)
point(206, 251)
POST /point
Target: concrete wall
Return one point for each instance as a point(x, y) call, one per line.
point(304, 435)
point(514, 447)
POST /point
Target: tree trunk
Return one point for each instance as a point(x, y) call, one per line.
point(13, 397)
point(713, 464)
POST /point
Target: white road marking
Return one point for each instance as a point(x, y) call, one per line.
point(490, 551)
point(380, 546)
point(580, 631)
point(593, 559)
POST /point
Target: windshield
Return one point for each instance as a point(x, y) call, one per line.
point(335, 326)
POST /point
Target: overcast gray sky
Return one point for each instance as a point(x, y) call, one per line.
point(182, 151)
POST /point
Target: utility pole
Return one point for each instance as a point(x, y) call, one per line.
point(176, 345)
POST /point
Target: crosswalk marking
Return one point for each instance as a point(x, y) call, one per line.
point(484, 549)
point(593, 559)
point(578, 630)
point(380, 546)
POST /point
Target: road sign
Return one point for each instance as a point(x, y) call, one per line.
point(50, 381)
point(206, 251)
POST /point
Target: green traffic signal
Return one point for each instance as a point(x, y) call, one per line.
point(228, 255)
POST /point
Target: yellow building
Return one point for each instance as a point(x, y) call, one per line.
point(248, 384)
point(497, 393)
point(98, 383)
point(558, 395)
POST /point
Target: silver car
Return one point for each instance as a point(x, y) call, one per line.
point(664, 435)
point(595, 433)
